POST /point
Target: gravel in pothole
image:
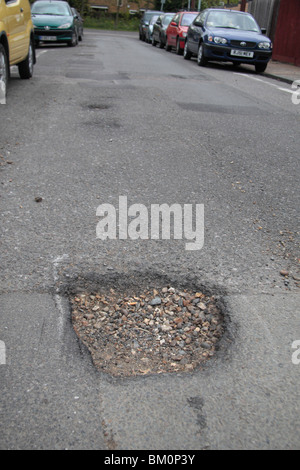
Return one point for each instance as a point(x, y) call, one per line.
point(166, 330)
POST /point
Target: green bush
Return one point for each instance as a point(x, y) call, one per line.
point(109, 23)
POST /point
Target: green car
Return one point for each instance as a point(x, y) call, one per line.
point(53, 22)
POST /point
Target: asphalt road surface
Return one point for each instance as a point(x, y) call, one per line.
point(117, 117)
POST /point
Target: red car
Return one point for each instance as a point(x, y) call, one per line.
point(177, 30)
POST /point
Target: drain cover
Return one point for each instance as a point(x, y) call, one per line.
point(165, 330)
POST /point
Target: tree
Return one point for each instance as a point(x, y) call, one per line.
point(175, 5)
point(80, 5)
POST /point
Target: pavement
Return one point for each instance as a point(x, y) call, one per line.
point(281, 71)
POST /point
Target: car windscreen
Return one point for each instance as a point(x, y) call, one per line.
point(167, 19)
point(50, 8)
point(227, 19)
point(187, 19)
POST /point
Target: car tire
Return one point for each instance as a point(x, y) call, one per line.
point(4, 74)
point(186, 53)
point(178, 48)
point(168, 48)
point(74, 40)
point(201, 59)
point(26, 67)
point(260, 68)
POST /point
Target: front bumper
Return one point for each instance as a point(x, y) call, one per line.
point(223, 53)
point(53, 36)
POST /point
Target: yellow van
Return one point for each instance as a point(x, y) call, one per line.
point(16, 41)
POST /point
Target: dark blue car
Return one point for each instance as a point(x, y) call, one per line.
point(227, 35)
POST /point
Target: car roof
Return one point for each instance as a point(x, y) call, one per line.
point(188, 12)
point(51, 1)
point(228, 10)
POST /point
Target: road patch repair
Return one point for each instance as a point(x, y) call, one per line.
point(150, 331)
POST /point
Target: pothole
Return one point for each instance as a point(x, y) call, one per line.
point(98, 106)
point(150, 332)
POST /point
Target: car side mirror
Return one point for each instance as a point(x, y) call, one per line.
point(264, 30)
point(173, 23)
point(198, 23)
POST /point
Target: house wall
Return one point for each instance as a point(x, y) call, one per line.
point(110, 6)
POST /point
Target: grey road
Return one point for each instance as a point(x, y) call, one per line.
point(117, 117)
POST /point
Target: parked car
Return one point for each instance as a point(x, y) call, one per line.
point(16, 42)
point(79, 23)
point(159, 29)
point(228, 35)
point(149, 29)
point(54, 22)
point(177, 29)
point(145, 22)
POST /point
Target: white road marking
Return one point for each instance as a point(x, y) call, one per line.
point(39, 53)
point(263, 81)
point(286, 89)
point(57, 297)
point(2, 353)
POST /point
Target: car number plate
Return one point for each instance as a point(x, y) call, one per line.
point(238, 53)
point(47, 38)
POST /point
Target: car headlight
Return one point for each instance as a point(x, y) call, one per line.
point(264, 45)
point(65, 26)
point(219, 40)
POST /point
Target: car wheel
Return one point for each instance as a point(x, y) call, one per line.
point(26, 67)
point(186, 53)
point(3, 74)
point(260, 68)
point(178, 48)
point(168, 48)
point(201, 60)
point(74, 40)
